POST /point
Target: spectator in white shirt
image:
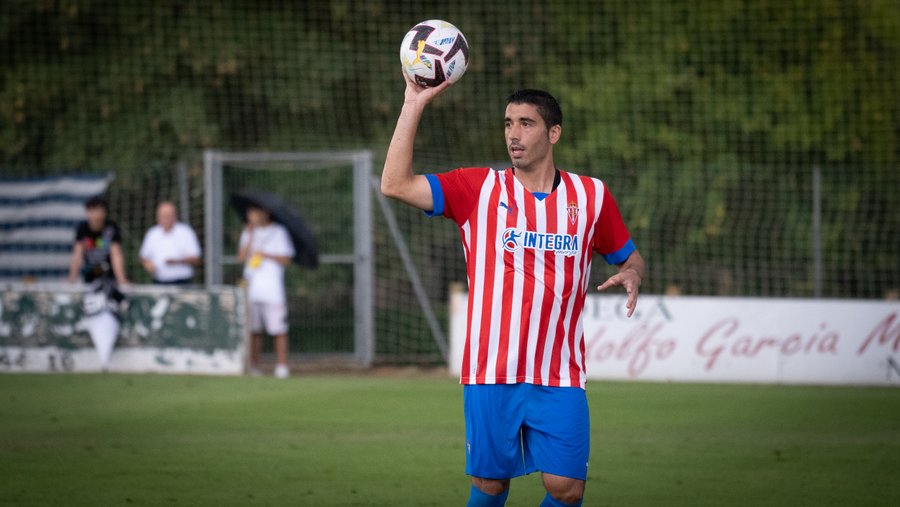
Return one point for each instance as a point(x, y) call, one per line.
point(170, 249)
point(266, 249)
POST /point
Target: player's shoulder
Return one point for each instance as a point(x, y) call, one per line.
point(472, 172)
point(472, 177)
point(586, 181)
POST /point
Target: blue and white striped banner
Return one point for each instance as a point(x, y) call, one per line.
point(37, 223)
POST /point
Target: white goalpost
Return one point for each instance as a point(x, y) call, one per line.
point(308, 176)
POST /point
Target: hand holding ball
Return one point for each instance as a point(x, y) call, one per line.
point(434, 51)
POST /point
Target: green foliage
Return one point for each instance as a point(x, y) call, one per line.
point(740, 101)
point(700, 115)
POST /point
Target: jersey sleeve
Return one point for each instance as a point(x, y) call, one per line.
point(455, 193)
point(611, 238)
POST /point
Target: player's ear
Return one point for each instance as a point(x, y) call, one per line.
point(554, 133)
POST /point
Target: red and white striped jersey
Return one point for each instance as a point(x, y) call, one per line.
point(528, 265)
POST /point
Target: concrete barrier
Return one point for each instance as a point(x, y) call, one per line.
point(44, 328)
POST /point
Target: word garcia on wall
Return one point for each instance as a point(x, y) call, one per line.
point(718, 339)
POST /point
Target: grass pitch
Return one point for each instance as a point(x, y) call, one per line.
point(352, 440)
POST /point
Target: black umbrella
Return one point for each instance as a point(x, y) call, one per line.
point(307, 253)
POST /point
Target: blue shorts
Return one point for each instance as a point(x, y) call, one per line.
point(516, 429)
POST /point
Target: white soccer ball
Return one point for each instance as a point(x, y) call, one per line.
point(434, 51)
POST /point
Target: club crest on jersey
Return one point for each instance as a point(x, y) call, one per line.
point(572, 210)
point(562, 244)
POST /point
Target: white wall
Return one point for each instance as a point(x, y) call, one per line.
point(705, 339)
point(45, 328)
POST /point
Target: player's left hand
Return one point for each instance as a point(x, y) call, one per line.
point(631, 281)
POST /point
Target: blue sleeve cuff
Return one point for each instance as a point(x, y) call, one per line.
point(620, 255)
point(437, 196)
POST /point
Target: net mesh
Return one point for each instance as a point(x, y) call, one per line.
point(320, 301)
point(707, 120)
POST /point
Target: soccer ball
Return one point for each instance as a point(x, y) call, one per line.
point(434, 51)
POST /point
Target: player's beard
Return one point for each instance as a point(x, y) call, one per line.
point(517, 162)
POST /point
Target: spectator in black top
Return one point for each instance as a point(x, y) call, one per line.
point(97, 254)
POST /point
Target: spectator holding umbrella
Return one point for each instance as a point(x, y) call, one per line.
point(265, 249)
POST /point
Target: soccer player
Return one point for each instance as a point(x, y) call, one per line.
point(529, 232)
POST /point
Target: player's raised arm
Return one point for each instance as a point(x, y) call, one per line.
point(398, 180)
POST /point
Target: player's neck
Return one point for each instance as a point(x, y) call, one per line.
point(537, 177)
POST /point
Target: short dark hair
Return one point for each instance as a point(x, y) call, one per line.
point(96, 202)
point(546, 104)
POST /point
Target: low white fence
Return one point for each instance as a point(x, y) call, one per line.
point(45, 328)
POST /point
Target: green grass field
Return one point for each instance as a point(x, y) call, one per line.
point(368, 440)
